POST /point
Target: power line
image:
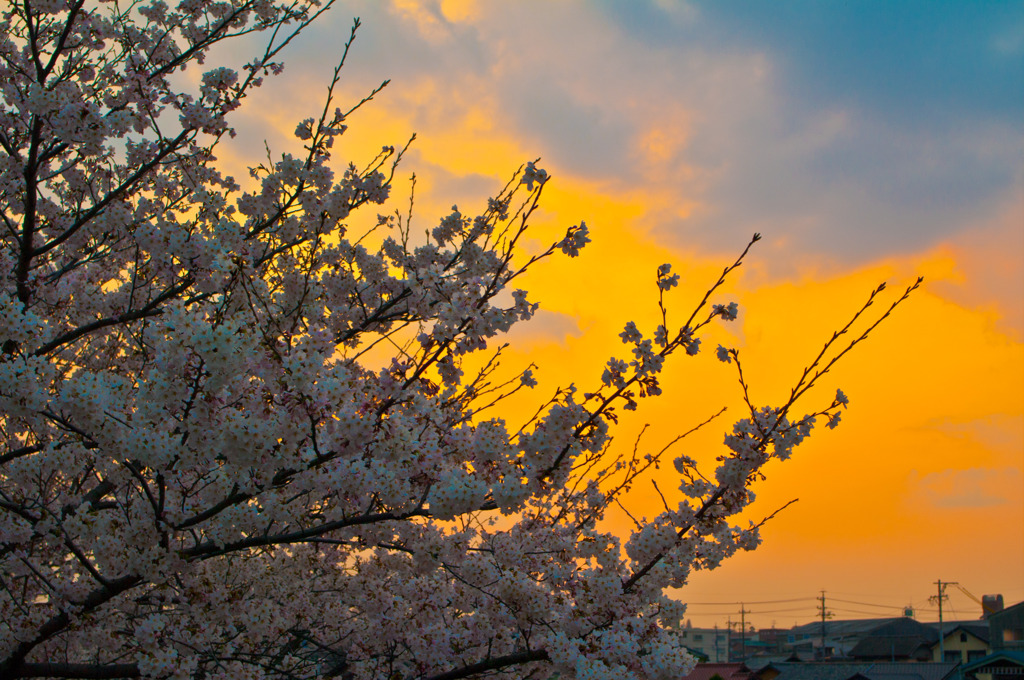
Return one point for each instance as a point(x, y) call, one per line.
point(865, 604)
point(753, 611)
point(842, 606)
point(733, 604)
point(875, 615)
point(850, 594)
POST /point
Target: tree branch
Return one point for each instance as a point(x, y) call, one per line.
point(492, 664)
point(57, 624)
point(75, 670)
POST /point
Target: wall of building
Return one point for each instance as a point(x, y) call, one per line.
point(968, 646)
point(713, 642)
point(1006, 629)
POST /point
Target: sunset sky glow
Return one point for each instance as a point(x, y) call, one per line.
point(867, 141)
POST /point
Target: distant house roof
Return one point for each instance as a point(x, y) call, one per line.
point(891, 647)
point(898, 639)
point(864, 671)
point(905, 627)
point(814, 670)
point(978, 629)
point(1013, 608)
point(728, 671)
point(756, 663)
point(839, 628)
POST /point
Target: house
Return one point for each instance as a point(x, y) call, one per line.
point(839, 637)
point(1001, 665)
point(899, 640)
point(771, 640)
point(710, 643)
point(747, 648)
point(1006, 636)
point(963, 642)
point(1006, 629)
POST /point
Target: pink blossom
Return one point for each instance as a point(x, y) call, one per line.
point(240, 442)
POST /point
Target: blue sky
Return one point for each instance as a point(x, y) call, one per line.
point(857, 128)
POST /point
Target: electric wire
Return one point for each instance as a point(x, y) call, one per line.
point(844, 607)
point(751, 611)
point(738, 603)
point(868, 604)
point(876, 615)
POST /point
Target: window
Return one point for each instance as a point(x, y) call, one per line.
point(963, 637)
point(975, 654)
point(952, 656)
point(698, 637)
point(1012, 634)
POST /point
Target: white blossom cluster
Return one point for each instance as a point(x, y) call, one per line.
point(246, 432)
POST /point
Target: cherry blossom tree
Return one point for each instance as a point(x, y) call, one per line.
point(204, 474)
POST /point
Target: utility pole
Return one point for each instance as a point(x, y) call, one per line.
point(939, 597)
point(743, 633)
point(728, 640)
point(824, 614)
point(718, 654)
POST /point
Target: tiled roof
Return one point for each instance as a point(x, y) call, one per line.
point(890, 647)
point(864, 671)
point(978, 629)
point(816, 670)
point(901, 638)
point(839, 628)
point(910, 671)
point(756, 663)
point(728, 671)
point(905, 627)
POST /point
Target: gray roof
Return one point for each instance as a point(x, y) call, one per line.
point(901, 638)
point(892, 647)
point(868, 671)
point(978, 629)
point(904, 628)
point(909, 671)
point(756, 663)
point(840, 628)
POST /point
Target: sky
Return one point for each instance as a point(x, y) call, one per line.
point(866, 141)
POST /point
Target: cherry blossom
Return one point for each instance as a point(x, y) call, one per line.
point(245, 432)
